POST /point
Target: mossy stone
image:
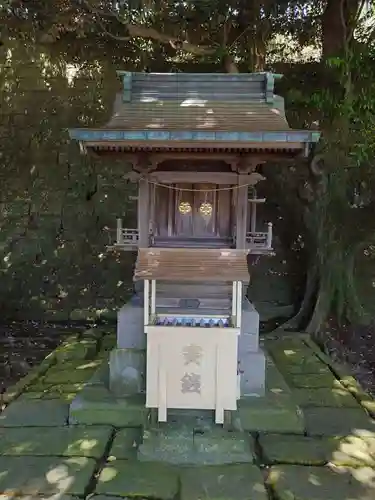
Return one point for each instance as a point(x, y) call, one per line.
point(71, 372)
point(218, 482)
point(59, 441)
point(292, 449)
point(108, 342)
point(84, 315)
point(218, 446)
point(35, 413)
point(126, 442)
point(169, 445)
point(273, 413)
point(126, 478)
point(335, 397)
point(292, 482)
point(337, 421)
point(37, 476)
point(75, 349)
point(354, 451)
point(95, 405)
point(312, 380)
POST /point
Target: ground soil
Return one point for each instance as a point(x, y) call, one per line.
point(25, 344)
point(353, 345)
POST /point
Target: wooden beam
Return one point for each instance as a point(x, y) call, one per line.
point(196, 177)
point(198, 146)
point(241, 216)
point(143, 213)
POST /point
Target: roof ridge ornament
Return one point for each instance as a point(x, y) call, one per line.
point(126, 77)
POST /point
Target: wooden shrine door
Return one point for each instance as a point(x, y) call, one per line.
point(195, 211)
point(190, 211)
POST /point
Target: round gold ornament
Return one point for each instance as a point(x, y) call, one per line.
point(184, 207)
point(206, 209)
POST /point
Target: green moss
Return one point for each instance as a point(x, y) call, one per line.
point(319, 483)
point(294, 449)
point(273, 413)
point(126, 443)
point(34, 413)
point(312, 381)
point(73, 349)
point(337, 421)
point(133, 479)
point(35, 373)
point(335, 397)
point(95, 405)
point(45, 476)
point(71, 372)
point(57, 441)
point(230, 482)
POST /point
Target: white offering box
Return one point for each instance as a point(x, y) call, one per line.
point(192, 359)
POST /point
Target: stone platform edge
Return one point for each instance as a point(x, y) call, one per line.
point(341, 372)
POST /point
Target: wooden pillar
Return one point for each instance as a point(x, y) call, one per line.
point(153, 297)
point(170, 210)
point(241, 217)
point(119, 235)
point(239, 304)
point(234, 300)
point(146, 306)
point(143, 213)
point(253, 221)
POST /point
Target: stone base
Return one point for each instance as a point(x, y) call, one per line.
point(127, 369)
point(276, 411)
point(130, 325)
point(273, 413)
point(252, 367)
point(96, 405)
point(182, 445)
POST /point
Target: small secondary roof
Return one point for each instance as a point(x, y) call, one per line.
point(187, 264)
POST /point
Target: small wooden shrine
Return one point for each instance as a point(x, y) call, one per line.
point(195, 142)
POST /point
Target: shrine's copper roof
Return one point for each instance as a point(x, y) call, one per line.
point(196, 114)
point(191, 264)
point(196, 111)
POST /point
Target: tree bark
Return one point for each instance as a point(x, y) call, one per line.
point(338, 22)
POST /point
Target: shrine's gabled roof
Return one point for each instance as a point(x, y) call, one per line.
point(196, 110)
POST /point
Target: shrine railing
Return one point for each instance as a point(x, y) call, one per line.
point(126, 237)
point(260, 240)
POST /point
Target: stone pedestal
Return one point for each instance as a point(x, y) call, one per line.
point(130, 327)
point(127, 372)
point(251, 359)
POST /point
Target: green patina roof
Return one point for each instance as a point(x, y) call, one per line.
point(235, 109)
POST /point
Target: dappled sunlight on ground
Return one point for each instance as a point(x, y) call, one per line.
point(327, 454)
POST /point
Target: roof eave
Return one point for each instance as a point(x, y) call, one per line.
point(197, 137)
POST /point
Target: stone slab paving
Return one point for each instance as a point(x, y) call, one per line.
point(231, 482)
point(35, 413)
point(321, 483)
point(66, 441)
point(125, 478)
point(323, 451)
point(30, 475)
point(215, 446)
point(351, 451)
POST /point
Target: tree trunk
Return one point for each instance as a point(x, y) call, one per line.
point(337, 24)
point(307, 305)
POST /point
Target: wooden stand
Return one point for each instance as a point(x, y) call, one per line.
point(191, 368)
point(195, 366)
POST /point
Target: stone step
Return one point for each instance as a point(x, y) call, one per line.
point(180, 444)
